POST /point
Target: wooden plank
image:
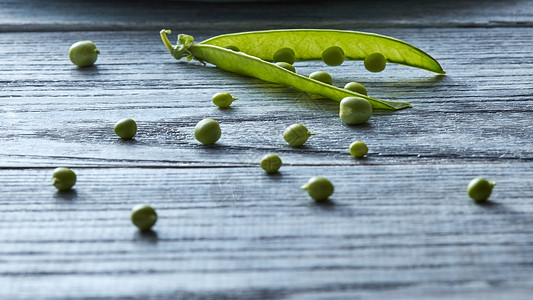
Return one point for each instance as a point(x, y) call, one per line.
point(64, 15)
point(384, 232)
point(52, 112)
point(399, 225)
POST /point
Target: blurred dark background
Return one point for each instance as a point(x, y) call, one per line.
point(187, 15)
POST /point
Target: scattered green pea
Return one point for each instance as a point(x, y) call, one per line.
point(126, 128)
point(355, 110)
point(83, 54)
point(286, 55)
point(207, 131)
point(286, 66)
point(223, 100)
point(271, 163)
point(143, 216)
point(333, 56)
point(233, 48)
point(63, 179)
point(296, 134)
point(356, 87)
point(319, 188)
point(358, 149)
point(479, 189)
point(375, 62)
point(322, 77)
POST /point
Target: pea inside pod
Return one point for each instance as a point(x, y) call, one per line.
point(233, 48)
point(356, 87)
point(284, 55)
point(375, 62)
point(333, 56)
point(322, 77)
point(286, 66)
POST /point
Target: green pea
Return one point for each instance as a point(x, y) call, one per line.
point(143, 216)
point(286, 55)
point(356, 87)
point(355, 110)
point(333, 56)
point(63, 179)
point(271, 163)
point(286, 66)
point(126, 128)
point(375, 62)
point(223, 100)
point(233, 48)
point(319, 188)
point(322, 77)
point(207, 131)
point(358, 149)
point(480, 189)
point(83, 54)
point(296, 134)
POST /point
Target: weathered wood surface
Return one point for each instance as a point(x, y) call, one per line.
point(407, 231)
point(399, 225)
point(480, 110)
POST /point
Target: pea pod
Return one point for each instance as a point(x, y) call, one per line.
point(308, 44)
point(248, 65)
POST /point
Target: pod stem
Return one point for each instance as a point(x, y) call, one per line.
point(182, 48)
point(167, 43)
point(492, 184)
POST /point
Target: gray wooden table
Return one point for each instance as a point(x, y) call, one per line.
point(399, 225)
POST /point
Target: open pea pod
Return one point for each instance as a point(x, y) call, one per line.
point(308, 44)
point(249, 65)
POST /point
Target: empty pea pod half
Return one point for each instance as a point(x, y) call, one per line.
point(249, 65)
point(310, 44)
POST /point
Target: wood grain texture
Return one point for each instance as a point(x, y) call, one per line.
point(53, 110)
point(405, 230)
point(399, 225)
